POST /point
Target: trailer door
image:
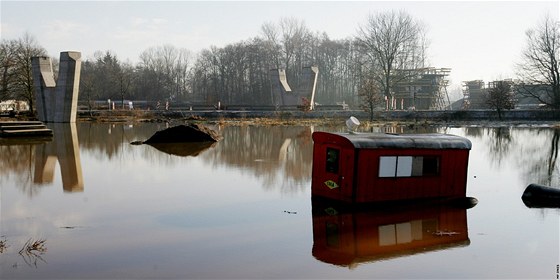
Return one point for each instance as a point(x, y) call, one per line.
point(332, 172)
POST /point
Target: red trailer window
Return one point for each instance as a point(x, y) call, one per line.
point(408, 166)
point(430, 166)
point(332, 160)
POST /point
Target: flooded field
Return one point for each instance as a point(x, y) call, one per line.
point(90, 205)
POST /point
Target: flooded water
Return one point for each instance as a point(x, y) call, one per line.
point(90, 205)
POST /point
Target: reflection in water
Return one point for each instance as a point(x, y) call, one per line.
point(16, 162)
point(500, 145)
point(553, 155)
point(208, 216)
point(351, 237)
point(281, 156)
point(65, 149)
point(274, 154)
point(533, 150)
point(183, 149)
point(34, 163)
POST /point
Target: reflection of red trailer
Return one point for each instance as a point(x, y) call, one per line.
point(352, 237)
point(383, 167)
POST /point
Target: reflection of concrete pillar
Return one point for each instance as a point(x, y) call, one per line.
point(57, 102)
point(68, 153)
point(283, 153)
point(65, 148)
point(45, 162)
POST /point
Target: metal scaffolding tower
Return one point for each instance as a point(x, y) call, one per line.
point(474, 94)
point(423, 89)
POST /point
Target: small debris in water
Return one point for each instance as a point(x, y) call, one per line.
point(445, 233)
point(32, 251)
point(3, 245)
point(37, 245)
point(290, 212)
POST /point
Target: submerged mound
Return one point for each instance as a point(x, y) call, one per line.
point(184, 133)
point(183, 140)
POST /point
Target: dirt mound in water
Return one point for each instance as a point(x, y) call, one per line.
point(184, 133)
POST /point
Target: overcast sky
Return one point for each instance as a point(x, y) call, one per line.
point(477, 40)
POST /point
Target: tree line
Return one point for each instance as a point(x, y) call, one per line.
point(361, 70)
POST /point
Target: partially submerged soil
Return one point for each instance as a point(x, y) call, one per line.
point(184, 133)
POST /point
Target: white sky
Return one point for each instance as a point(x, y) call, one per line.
point(476, 39)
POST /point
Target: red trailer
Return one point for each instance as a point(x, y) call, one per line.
point(375, 167)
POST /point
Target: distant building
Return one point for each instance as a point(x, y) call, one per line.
point(526, 101)
point(475, 94)
point(424, 89)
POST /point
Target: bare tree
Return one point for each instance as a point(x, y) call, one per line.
point(287, 40)
point(500, 96)
point(272, 42)
point(8, 55)
point(27, 47)
point(371, 96)
point(165, 71)
point(539, 67)
point(87, 84)
point(124, 75)
point(391, 42)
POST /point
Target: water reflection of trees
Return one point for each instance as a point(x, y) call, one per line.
point(107, 140)
point(533, 150)
point(111, 141)
point(538, 156)
point(280, 156)
point(499, 143)
point(17, 165)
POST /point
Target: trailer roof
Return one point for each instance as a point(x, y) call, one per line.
point(405, 141)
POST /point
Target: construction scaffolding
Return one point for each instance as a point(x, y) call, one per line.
point(474, 94)
point(423, 89)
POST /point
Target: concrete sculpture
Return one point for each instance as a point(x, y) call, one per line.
point(57, 101)
point(283, 94)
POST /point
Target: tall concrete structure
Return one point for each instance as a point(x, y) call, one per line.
point(57, 101)
point(283, 94)
point(279, 86)
point(309, 84)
